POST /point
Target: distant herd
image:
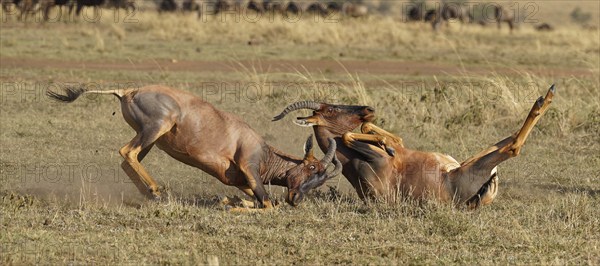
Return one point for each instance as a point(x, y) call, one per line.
point(27, 8)
point(276, 7)
point(437, 16)
point(446, 12)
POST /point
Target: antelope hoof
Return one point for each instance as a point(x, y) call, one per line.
point(246, 210)
point(223, 200)
point(390, 151)
point(240, 209)
point(156, 196)
point(236, 202)
point(157, 193)
point(540, 102)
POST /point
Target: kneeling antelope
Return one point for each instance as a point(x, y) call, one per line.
point(219, 143)
point(379, 166)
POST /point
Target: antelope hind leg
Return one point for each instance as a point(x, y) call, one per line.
point(133, 152)
point(512, 145)
point(136, 172)
point(539, 108)
point(475, 172)
point(486, 194)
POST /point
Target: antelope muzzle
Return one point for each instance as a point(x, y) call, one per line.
point(294, 197)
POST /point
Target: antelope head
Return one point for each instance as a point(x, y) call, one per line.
point(311, 173)
point(338, 119)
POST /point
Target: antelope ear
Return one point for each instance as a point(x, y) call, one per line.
point(306, 121)
point(308, 147)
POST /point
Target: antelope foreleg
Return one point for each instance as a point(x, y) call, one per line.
point(237, 201)
point(249, 192)
point(247, 206)
point(359, 143)
point(246, 210)
point(255, 184)
point(370, 128)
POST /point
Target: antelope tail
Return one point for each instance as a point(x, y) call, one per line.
point(71, 94)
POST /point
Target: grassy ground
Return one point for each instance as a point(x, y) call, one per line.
point(64, 199)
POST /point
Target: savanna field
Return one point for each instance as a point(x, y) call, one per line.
point(65, 200)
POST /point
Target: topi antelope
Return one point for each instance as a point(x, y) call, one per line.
point(318, 9)
point(501, 15)
point(96, 4)
point(167, 6)
point(415, 12)
point(47, 5)
point(378, 165)
point(448, 12)
point(355, 10)
point(274, 7)
point(219, 143)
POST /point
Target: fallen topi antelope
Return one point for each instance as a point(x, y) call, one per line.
point(378, 165)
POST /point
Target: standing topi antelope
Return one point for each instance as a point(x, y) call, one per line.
point(47, 5)
point(95, 4)
point(219, 143)
point(318, 9)
point(379, 166)
point(355, 10)
point(447, 12)
point(501, 15)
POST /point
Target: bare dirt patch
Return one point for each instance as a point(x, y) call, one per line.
point(351, 66)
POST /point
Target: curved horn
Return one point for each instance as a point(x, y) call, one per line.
point(330, 153)
point(308, 146)
point(312, 105)
point(321, 179)
point(338, 168)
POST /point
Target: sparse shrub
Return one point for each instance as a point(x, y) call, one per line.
point(591, 125)
point(385, 7)
point(448, 223)
point(332, 194)
point(580, 17)
point(593, 122)
point(555, 122)
point(16, 201)
point(473, 115)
